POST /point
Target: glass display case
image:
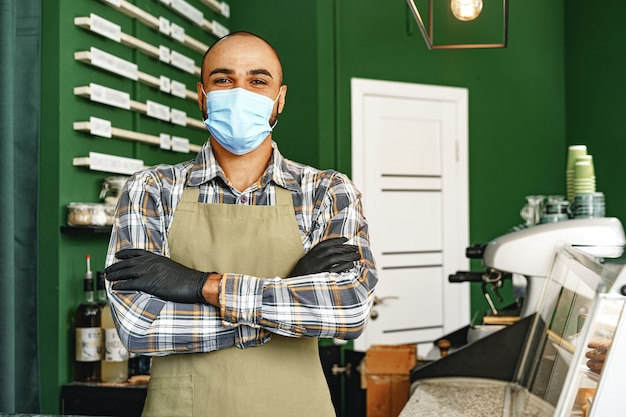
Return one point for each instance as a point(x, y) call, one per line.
point(573, 355)
point(571, 362)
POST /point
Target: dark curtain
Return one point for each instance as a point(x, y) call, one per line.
point(20, 27)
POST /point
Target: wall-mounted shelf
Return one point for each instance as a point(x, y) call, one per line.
point(176, 59)
point(86, 230)
point(86, 126)
point(109, 163)
point(121, 99)
point(162, 83)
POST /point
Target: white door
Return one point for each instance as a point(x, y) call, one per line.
point(409, 159)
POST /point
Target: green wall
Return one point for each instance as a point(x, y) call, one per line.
point(595, 58)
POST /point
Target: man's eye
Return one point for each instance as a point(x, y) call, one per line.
point(221, 80)
point(261, 82)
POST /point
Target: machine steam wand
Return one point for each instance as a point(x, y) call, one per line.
point(491, 279)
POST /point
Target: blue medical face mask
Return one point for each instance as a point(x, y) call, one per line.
point(238, 119)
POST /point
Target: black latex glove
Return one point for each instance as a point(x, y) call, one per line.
point(145, 271)
point(329, 255)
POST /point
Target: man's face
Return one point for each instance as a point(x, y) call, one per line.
point(243, 62)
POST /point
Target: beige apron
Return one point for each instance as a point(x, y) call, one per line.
point(282, 378)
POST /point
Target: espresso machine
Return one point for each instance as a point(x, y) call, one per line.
point(528, 255)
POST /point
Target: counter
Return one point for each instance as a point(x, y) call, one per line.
point(462, 397)
point(472, 397)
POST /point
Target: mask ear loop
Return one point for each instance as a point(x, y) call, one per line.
point(205, 103)
point(280, 90)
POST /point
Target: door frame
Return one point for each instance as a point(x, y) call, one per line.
point(456, 296)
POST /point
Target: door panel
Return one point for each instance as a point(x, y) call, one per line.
point(406, 295)
point(412, 222)
point(409, 144)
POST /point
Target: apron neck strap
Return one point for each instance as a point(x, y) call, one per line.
point(283, 195)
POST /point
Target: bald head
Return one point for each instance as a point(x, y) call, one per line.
point(246, 37)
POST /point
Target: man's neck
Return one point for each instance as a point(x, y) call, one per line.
point(243, 170)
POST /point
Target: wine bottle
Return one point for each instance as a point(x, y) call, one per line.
point(114, 366)
point(88, 333)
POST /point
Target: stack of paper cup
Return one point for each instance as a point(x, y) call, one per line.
point(573, 153)
point(584, 175)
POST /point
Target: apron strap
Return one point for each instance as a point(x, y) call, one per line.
point(190, 195)
point(283, 195)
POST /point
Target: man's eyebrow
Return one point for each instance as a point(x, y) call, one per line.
point(260, 72)
point(222, 71)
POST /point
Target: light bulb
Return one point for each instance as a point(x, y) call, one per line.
point(466, 9)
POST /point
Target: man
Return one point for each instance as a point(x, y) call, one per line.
point(229, 267)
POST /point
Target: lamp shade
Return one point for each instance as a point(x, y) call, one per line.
point(461, 24)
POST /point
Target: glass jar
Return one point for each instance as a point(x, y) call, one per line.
point(109, 210)
point(78, 214)
point(111, 189)
point(98, 215)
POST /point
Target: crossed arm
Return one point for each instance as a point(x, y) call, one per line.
point(310, 303)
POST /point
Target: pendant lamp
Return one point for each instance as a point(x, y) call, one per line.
point(462, 24)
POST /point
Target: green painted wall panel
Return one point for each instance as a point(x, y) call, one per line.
point(595, 58)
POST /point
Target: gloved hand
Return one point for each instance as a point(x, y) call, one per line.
point(145, 271)
point(330, 255)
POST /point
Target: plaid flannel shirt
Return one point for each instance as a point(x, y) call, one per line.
point(332, 305)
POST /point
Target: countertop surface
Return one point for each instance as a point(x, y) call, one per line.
point(456, 397)
point(473, 397)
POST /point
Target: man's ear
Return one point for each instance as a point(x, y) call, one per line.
point(281, 99)
point(201, 100)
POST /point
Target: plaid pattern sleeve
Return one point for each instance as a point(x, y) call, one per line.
point(319, 305)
